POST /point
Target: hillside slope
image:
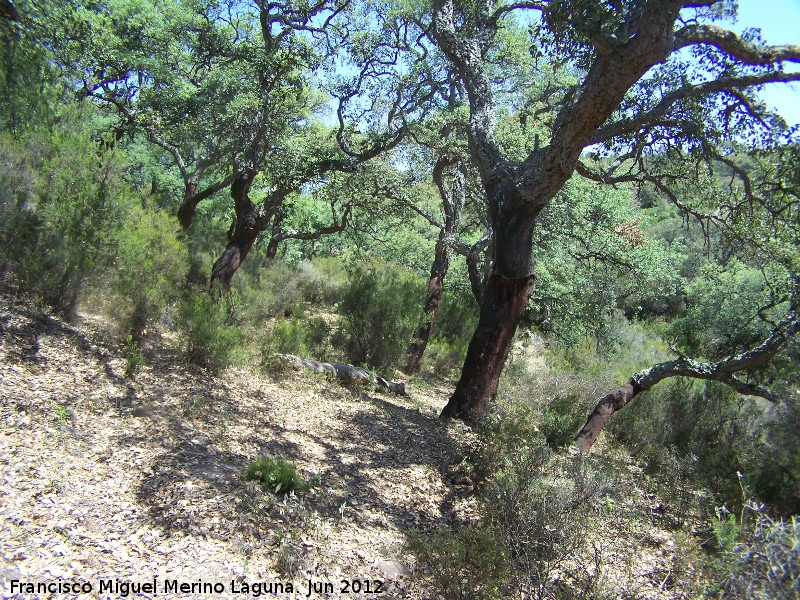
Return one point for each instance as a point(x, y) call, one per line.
point(108, 480)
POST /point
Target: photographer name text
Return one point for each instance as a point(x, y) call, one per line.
point(123, 589)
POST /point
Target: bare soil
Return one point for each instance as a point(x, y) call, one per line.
point(107, 478)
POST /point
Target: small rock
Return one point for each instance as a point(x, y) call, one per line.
point(140, 411)
point(393, 568)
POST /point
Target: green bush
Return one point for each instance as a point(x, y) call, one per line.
point(317, 335)
point(275, 475)
point(133, 357)
point(378, 313)
point(537, 513)
point(330, 281)
point(466, 563)
point(706, 433)
point(274, 288)
point(150, 266)
point(562, 417)
point(457, 315)
point(287, 336)
point(445, 358)
point(544, 506)
point(209, 336)
point(61, 198)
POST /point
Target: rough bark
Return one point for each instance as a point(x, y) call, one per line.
point(188, 208)
point(192, 198)
point(8, 11)
point(602, 413)
point(249, 224)
point(477, 284)
point(433, 299)
point(453, 203)
point(503, 305)
point(505, 298)
point(274, 240)
point(723, 371)
point(517, 193)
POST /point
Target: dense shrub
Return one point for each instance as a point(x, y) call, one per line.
point(61, 194)
point(562, 417)
point(274, 288)
point(707, 433)
point(317, 335)
point(452, 330)
point(210, 337)
point(287, 336)
point(538, 509)
point(330, 282)
point(463, 564)
point(444, 358)
point(150, 266)
point(722, 302)
point(133, 357)
point(458, 312)
point(543, 505)
point(378, 313)
point(553, 402)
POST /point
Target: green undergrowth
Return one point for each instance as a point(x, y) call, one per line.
point(276, 475)
point(664, 476)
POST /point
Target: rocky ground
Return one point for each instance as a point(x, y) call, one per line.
point(109, 481)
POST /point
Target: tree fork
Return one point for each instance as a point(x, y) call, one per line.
point(246, 229)
point(188, 207)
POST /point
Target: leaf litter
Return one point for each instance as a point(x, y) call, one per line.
point(105, 477)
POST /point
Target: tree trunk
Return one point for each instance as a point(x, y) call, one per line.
point(274, 241)
point(504, 302)
point(188, 207)
point(192, 198)
point(244, 232)
point(475, 281)
point(433, 299)
point(605, 409)
point(453, 200)
point(505, 298)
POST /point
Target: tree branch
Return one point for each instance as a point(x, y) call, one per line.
point(723, 84)
point(734, 46)
point(335, 227)
point(722, 371)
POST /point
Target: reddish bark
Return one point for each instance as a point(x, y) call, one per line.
point(606, 407)
point(275, 240)
point(188, 207)
point(192, 198)
point(244, 232)
point(504, 303)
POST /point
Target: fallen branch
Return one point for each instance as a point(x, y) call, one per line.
point(345, 372)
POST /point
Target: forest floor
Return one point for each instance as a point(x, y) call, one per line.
point(111, 479)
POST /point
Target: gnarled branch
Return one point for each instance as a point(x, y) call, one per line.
point(723, 371)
